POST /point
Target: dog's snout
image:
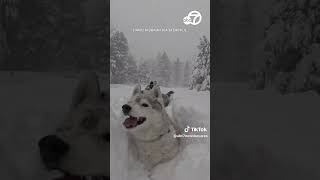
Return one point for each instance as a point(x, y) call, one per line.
point(52, 148)
point(126, 109)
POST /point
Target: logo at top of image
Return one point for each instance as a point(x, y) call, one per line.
point(193, 18)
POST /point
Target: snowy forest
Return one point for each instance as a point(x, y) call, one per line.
point(126, 69)
point(53, 35)
point(274, 44)
point(59, 36)
point(290, 48)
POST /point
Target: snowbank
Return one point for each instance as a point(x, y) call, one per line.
point(31, 106)
point(190, 108)
point(269, 133)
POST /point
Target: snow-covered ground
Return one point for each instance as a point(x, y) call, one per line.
point(285, 128)
point(192, 109)
point(31, 106)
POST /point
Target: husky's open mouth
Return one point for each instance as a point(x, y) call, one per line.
point(132, 122)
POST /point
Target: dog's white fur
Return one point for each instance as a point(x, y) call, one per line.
point(153, 141)
point(83, 129)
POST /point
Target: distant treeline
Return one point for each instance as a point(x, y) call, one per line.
point(51, 35)
point(126, 69)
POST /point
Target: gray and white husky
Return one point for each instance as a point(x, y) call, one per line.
point(150, 129)
point(80, 146)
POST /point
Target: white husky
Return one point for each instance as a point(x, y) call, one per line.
point(150, 129)
point(80, 146)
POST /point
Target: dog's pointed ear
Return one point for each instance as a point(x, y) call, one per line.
point(136, 90)
point(156, 91)
point(88, 88)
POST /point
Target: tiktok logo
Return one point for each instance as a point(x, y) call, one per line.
point(186, 129)
point(193, 18)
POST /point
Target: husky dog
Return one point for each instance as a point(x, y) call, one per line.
point(150, 129)
point(151, 85)
point(165, 97)
point(80, 146)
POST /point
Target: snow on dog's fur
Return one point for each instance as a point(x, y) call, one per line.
point(150, 129)
point(80, 145)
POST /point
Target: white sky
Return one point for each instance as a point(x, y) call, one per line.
point(129, 14)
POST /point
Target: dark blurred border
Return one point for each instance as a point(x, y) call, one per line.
point(212, 90)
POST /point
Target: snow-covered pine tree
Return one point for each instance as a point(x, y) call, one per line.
point(162, 70)
point(2, 45)
point(144, 72)
point(119, 53)
point(132, 71)
point(201, 68)
point(3, 39)
point(59, 25)
point(290, 43)
point(177, 73)
point(186, 74)
point(154, 68)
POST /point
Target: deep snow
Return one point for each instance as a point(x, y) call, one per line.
point(192, 109)
point(284, 127)
point(32, 104)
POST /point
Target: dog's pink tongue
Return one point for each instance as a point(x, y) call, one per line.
point(130, 122)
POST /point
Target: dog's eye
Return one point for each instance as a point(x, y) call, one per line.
point(145, 105)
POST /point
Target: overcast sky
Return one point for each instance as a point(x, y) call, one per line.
point(129, 14)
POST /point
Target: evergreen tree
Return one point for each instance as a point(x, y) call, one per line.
point(119, 53)
point(8, 15)
point(144, 72)
point(154, 67)
point(162, 70)
point(132, 73)
point(290, 42)
point(2, 45)
point(48, 34)
point(177, 73)
point(186, 74)
point(201, 68)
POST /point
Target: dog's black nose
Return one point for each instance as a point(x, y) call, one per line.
point(52, 149)
point(126, 109)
